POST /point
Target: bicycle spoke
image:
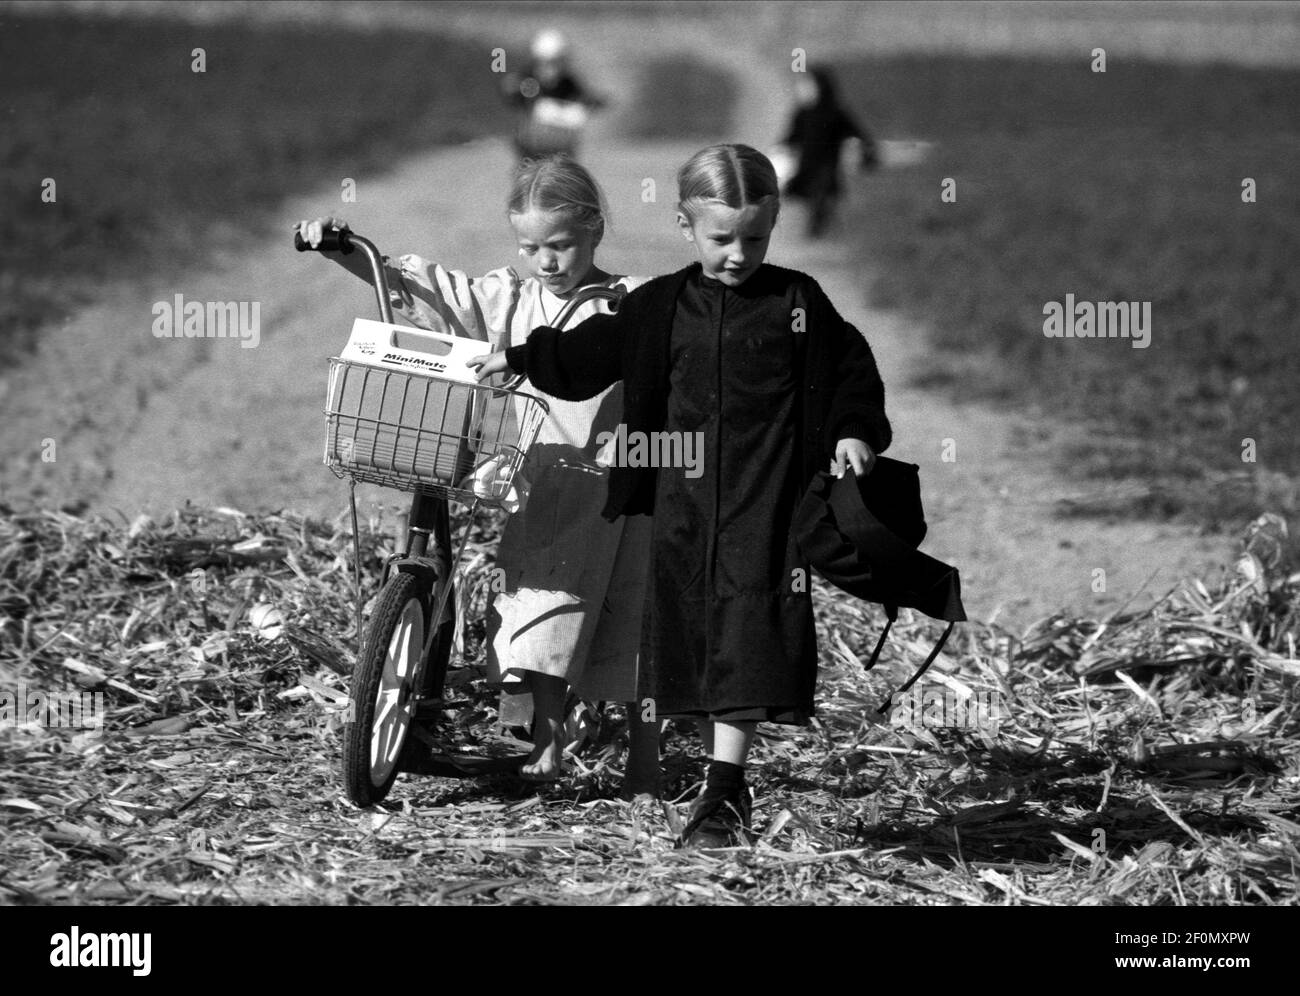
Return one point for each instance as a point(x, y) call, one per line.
point(394, 703)
point(388, 741)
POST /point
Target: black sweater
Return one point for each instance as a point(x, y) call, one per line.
point(843, 397)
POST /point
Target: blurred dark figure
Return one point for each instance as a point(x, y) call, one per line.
point(819, 130)
point(553, 104)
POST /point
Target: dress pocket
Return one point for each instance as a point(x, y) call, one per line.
point(763, 365)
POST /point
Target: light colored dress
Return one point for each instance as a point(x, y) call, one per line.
point(574, 583)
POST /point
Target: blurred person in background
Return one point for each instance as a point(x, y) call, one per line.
point(553, 104)
point(819, 131)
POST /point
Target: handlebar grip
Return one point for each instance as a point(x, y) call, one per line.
point(331, 240)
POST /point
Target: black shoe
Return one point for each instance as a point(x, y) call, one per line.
point(718, 821)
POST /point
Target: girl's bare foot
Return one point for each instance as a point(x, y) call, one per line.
point(545, 763)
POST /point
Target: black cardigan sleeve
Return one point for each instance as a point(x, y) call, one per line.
point(574, 365)
point(857, 405)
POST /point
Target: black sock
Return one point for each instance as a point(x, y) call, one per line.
point(724, 780)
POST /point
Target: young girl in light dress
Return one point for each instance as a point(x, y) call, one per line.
point(574, 584)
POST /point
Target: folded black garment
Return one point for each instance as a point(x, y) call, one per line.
point(862, 535)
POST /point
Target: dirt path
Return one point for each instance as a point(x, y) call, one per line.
point(145, 423)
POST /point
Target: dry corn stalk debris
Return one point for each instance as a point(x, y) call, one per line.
point(1145, 758)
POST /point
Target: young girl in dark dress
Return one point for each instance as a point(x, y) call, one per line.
point(817, 131)
point(755, 362)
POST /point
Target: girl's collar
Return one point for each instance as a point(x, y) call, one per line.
point(753, 285)
point(608, 280)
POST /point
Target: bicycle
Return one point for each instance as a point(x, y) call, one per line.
point(404, 412)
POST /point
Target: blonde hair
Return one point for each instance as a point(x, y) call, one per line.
point(737, 175)
point(557, 184)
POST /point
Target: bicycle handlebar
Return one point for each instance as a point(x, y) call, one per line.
point(586, 294)
point(345, 241)
point(331, 240)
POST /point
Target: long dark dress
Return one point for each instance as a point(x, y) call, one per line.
point(730, 627)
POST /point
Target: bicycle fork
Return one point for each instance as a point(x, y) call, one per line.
point(430, 518)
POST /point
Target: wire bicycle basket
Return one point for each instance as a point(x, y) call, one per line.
point(404, 412)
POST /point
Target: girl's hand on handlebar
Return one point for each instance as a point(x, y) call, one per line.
point(311, 230)
point(489, 364)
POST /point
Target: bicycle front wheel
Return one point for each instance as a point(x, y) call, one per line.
point(384, 685)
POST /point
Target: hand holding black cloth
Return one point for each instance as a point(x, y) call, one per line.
point(862, 535)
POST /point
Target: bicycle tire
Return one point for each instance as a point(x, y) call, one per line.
point(395, 637)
